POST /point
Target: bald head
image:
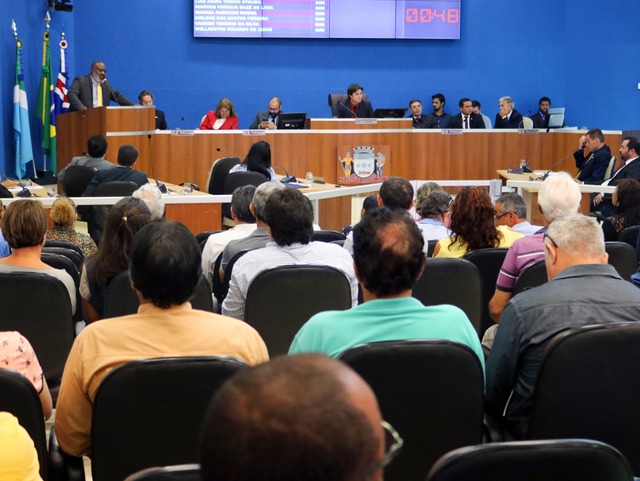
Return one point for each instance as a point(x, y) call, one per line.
point(299, 417)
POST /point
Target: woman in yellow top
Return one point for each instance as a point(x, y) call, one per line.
point(473, 226)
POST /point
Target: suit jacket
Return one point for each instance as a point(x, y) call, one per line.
point(161, 122)
point(81, 94)
point(87, 161)
point(365, 110)
point(475, 121)
point(230, 123)
point(513, 122)
point(261, 116)
point(538, 123)
point(423, 122)
point(594, 166)
point(606, 207)
point(111, 175)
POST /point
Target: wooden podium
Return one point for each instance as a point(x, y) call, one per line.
point(116, 124)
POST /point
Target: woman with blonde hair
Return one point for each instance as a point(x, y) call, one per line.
point(64, 216)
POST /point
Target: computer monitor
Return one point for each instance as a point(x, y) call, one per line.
point(556, 117)
point(291, 120)
point(390, 113)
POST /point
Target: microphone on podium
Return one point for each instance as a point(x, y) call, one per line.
point(160, 186)
point(288, 177)
point(340, 104)
point(227, 152)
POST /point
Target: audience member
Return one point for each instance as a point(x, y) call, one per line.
point(146, 99)
point(508, 117)
point(18, 457)
point(438, 119)
point(466, 119)
point(541, 118)
point(435, 216)
point(582, 290)
point(5, 250)
point(127, 157)
point(268, 119)
point(473, 227)
point(64, 216)
point(511, 211)
point(24, 226)
point(630, 169)
point(258, 159)
point(245, 225)
point(151, 195)
point(302, 418)
point(424, 191)
point(94, 90)
point(164, 271)
point(16, 354)
point(626, 199)
point(223, 118)
point(355, 106)
point(558, 195)
point(418, 119)
point(389, 258)
point(124, 220)
point(593, 167)
point(477, 109)
point(96, 148)
point(289, 216)
point(369, 204)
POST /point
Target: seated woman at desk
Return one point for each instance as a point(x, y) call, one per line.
point(473, 226)
point(257, 160)
point(223, 118)
point(626, 198)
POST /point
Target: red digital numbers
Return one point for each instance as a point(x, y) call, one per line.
point(427, 15)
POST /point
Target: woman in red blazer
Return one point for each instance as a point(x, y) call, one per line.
point(224, 117)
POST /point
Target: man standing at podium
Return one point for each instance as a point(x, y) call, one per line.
point(93, 90)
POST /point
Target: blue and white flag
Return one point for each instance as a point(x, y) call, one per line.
point(21, 130)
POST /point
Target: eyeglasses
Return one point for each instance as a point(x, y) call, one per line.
point(547, 236)
point(503, 214)
point(392, 445)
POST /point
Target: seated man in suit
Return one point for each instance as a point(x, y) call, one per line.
point(94, 90)
point(268, 119)
point(592, 167)
point(389, 259)
point(466, 119)
point(165, 269)
point(541, 118)
point(355, 106)
point(127, 157)
point(299, 418)
point(508, 117)
point(582, 290)
point(146, 99)
point(96, 148)
point(289, 216)
point(419, 120)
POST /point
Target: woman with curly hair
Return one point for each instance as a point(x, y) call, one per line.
point(124, 220)
point(63, 214)
point(626, 198)
point(473, 226)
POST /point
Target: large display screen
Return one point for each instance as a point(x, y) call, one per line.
point(427, 19)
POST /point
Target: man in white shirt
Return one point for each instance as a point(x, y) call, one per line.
point(511, 210)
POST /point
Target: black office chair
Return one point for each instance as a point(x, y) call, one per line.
point(451, 281)
point(554, 460)
point(430, 391)
point(98, 215)
point(630, 235)
point(180, 472)
point(19, 397)
point(534, 275)
point(588, 387)
point(334, 99)
point(76, 179)
point(38, 306)
point(203, 236)
point(328, 236)
point(76, 259)
point(122, 300)
point(149, 413)
point(431, 246)
point(231, 183)
point(221, 291)
point(59, 261)
point(488, 262)
point(218, 174)
point(280, 300)
point(65, 244)
point(623, 257)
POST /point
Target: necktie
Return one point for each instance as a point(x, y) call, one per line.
point(466, 121)
point(99, 92)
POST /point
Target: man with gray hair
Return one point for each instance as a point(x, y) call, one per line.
point(508, 117)
point(151, 196)
point(558, 195)
point(511, 211)
point(582, 290)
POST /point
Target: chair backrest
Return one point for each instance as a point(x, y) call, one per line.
point(534, 275)
point(334, 99)
point(588, 387)
point(328, 236)
point(430, 391)
point(59, 261)
point(557, 459)
point(451, 281)
point(38, 306)
point(280, 300)
point(117, 188)
point(488, 262)
point(623, 257)
point(66, 244)
point(431, 246)
point(98, 217)
point(527, 123)
point(222, 290)
point(203, 236)
point(611, 168)
point(122, 300)
point(149, 413)
point(76, 179)
point(19, 397)
point(71, 254)
point(218, 174)
point(630, 235)
point(180, 472)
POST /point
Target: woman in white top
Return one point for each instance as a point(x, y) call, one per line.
point(257, 160)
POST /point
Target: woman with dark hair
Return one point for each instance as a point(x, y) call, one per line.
point(626, 198)
point(223, 118)
point(257, 160)
point(63, 214)
point(124, 220)
point(473, 226)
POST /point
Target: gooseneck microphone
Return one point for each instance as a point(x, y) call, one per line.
point(162, 187)
point(546, 174)
point(340, 104)
point(288, 177)
point(227, 152)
